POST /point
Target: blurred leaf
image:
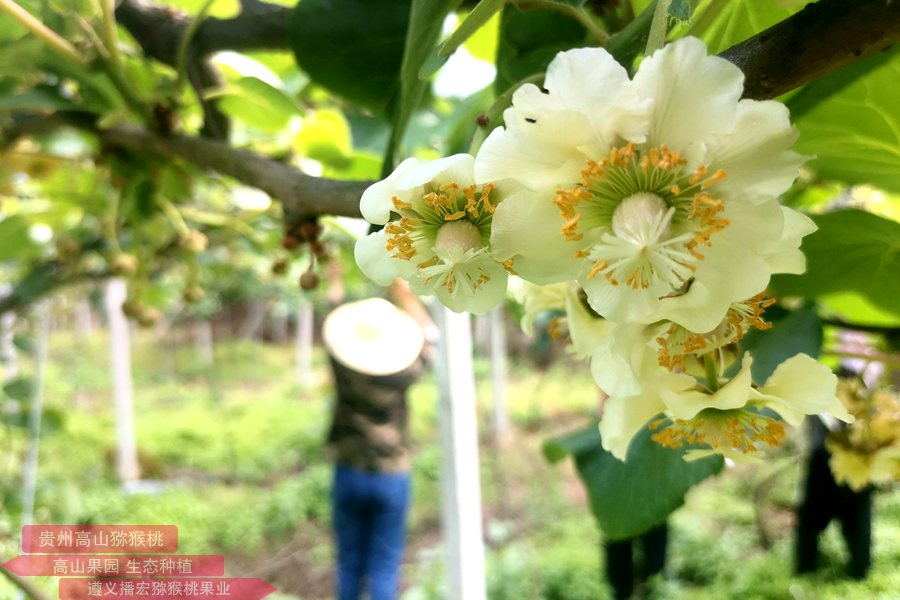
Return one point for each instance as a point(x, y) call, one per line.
point(352, 47)
point(791, 333)
point(680, 10)
point(37, 99)
point(724, 23)
point(631, 497)
point(529, 40)
point(852, 251)
point(850, 122)
point(483, 43)
point(483, 12)
point(855, 308)
point(257, 104)
point(360, 165)
point(19, 389)
point(14, 238)
point(426, 18)
point(325, 136)
point(25, 343)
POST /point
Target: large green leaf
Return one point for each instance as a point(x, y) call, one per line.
point(353, 47)
point(425, 20)
point(850, 121)
point(257, 104)
point(852, 251)
point(529, 40)
point(14, 237)
point(628, 498)
point(792, 333)
point(724, 23)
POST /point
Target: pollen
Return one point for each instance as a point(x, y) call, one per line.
point(738, 429)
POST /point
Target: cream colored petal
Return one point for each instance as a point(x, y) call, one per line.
point(458, 168)
point(624, 360)
point(586, 330)
point(538, 154)
point(375, 262)
point(756, 156)
point(802, 386)
point(695, 95)
point(590, 81)
point(622, 418)
point(785, 255)
point(486, 296)
point(377, 201)
point(527, 226)
point(734, 394)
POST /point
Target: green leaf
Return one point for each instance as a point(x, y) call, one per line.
point(14, 237)
point(325, 136)
point(24, 343)
point(791, 333)
point(854, 308)
point(724, 23)
point(850, 121)
point(680, 10)
point(628, 498)
point(852, 251)
point(480, 15)
point(257, 104)
point(19, 389)
point(353, 47)
point(38, 99)
point(425, 20)
point(529, 40)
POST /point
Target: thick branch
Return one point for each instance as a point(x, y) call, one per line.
point(300, 194)
point(820, 39)
point(159, 29)
point(30, 589)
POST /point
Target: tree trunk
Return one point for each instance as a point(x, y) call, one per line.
point(305, 318)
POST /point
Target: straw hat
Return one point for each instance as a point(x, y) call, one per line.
point(373, 337)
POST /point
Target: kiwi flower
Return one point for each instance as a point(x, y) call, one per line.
point(657, 193)
point(737, 419)
point(436, 234)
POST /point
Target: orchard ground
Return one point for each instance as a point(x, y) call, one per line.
point(235, 456)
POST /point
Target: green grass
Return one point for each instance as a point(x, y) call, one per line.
point(237, 450)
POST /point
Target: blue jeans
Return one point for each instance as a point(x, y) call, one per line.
point(369, 519)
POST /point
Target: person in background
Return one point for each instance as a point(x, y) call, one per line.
point(375, 350)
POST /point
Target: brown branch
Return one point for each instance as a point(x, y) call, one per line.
point(818, 40)
point(30, 589)
point(301, 195)
point(159, 29)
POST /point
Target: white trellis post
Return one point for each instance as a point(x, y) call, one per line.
point(120, 352)
point(304, 342)
point(7, 349)
point(498, 371)
point(460, 484)
point(29, 473)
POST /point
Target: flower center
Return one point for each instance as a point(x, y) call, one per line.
point(457, 237)
point(649, 216)
point(422, 220)
point(636, 217)
point(737, 429)
point(678, 343)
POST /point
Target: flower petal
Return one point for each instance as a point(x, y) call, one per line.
point(486, 296)
point(622, 418)
point(527, 226)
point(695, 95)
point(376, 263)
point(376, 202)
point(802, 386)
point(734, 394)
point(756, 156)
point(458, 168)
